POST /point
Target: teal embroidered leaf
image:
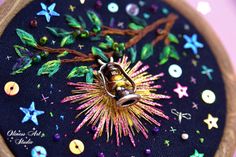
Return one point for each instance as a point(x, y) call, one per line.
point(89, 76)
point(133, 52)
point(67, 40)
point(173, 38)
point(22, 64)
point(93, 17)
point(82, 22)
point(49, 68)
point(98, 52)
point(26, 38)
point(78, 72)
point(58, 32)
point(96, 38)
point(73, 22)
point(174, 54)
point(22, 51)
point(139, 21)
point(147, 51)
point(134, 26)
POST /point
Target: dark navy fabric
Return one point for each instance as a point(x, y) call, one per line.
point(56, 88)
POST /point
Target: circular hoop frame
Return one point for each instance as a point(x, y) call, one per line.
point(228, 143)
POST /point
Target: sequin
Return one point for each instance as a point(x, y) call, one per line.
point(11, 88)
point(113, 7)
point(38, 151)
point(175, 70)
point(208, 96)
point(132, 9)
point(76, 147)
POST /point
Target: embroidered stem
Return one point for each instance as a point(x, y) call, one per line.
point(136, 35)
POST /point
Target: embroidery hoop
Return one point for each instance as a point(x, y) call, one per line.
point(228, 142)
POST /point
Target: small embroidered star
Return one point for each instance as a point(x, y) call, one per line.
point(120, 24)
point(167, 143)
point(207, 71)
point(195, 106)
point(193, 80)
point(197, 154)
point(72, 8)
point(192, 43)
point(31, 114)
point(211, 122)
point(194, 62)
point(173, 130)
point(8, 57)
point(181, 90)
point(44, 98)
point(48, 12)
point(53, 42)
point(80, 46)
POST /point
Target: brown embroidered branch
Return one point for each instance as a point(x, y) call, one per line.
point(137, 36)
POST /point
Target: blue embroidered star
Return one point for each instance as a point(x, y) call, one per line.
point(31, 114)
point(197, 154)
point(192, 43)
point(48, 12)
point(207, 71)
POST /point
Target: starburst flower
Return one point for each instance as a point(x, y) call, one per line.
point(101, 111)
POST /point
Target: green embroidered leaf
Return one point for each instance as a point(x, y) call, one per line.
point(163, 61)
point(109, 40)
point(173, 38)
point(133, 52)
point(138, 21)
point(67, 40)
point(134, 26)
point(147, 51)
point(26, 38)
point(78, 72)
point(168, 52)
point(22, 51)
point(62, 54)
point(49, 68)
point(98, 52)
point(93, 17)
point(73, 22)
point(59, 32)
point(22, 64)
point(108, 44)
point(89, 76)
point(103, 45)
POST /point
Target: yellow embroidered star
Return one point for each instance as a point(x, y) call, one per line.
point(72, 8)
point(211, 121)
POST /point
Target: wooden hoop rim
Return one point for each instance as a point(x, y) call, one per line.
point(228, 143)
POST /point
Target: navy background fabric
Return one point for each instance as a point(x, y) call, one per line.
point(57, 89)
